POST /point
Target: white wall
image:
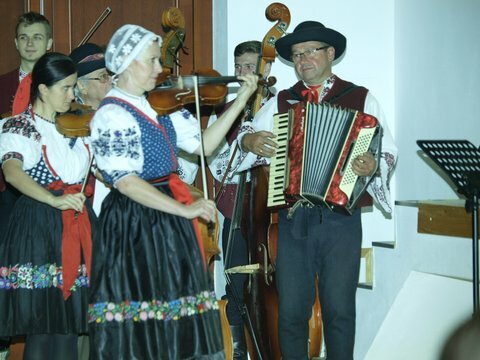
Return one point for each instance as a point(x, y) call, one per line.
point(437, 70)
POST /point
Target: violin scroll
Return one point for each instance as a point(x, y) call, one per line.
point(268, 82)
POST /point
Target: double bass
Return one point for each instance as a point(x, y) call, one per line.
point(262, 231)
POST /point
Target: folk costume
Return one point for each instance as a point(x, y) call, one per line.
point(45, 255)
point(151, 296)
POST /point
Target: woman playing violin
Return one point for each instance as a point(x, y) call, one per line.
point(45, 256)
point(150, 294)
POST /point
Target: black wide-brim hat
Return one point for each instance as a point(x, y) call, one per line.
point(310, 31)
point(88, 58)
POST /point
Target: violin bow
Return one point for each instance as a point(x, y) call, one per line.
point(95, 26)
point(202, 151)
point(85, 179)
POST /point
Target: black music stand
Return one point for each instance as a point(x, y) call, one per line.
point(460, 160)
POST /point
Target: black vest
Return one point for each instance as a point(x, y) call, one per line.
point(343, 93)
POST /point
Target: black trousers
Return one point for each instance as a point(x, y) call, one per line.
point(319, 242)
point(236, 254)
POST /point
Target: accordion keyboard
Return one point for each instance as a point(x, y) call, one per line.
point(276, 183)
point(362, 144)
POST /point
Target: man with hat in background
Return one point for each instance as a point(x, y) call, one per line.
point(316, 241)
point(93, 83)
point(93, 78)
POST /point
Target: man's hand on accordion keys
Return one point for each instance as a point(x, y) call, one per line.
point(260, 143)
point(364, 165)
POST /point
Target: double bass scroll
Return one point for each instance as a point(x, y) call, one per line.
point(173, 22)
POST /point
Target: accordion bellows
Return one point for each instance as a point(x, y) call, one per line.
point(313, 163)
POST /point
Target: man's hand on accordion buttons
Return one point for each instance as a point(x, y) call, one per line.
point(260, 143)
point(364, 165)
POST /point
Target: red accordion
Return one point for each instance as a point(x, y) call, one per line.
point(313, 163)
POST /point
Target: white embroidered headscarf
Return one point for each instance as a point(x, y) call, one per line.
point(125, 45)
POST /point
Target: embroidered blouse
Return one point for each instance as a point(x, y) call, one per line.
point(46, 154)
point(128, 137)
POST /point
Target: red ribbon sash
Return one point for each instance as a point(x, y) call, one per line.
point(182, 194)
point(76, 237)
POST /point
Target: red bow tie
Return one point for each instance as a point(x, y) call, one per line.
point(311, 93)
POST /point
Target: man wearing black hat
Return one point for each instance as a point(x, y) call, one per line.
point(316, 241)
point(93, 79)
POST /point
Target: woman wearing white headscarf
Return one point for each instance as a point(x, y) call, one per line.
point(150, 293)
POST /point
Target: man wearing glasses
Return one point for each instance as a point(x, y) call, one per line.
point(93, 78)
point(315, 241)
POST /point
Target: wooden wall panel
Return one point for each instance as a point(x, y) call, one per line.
point(58, 13)
point(10, 11)
point(147, 14)
point(203, 55)
point(444, 218)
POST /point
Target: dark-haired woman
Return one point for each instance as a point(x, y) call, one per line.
point(45, 258)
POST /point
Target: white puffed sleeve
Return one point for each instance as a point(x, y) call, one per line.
point(19, 139)
point(116, 143)
point(186, 127)
point(263, 121)
point(379, 187)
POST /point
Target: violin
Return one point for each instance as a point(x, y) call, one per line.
point(178, 91)
point(75, 122)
